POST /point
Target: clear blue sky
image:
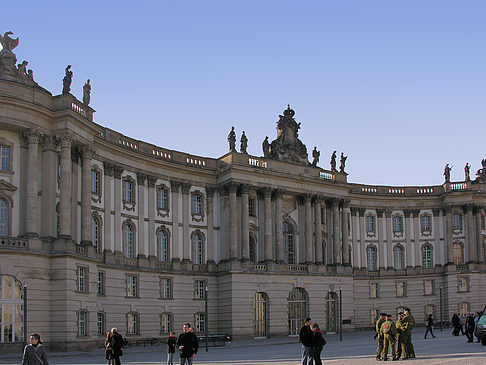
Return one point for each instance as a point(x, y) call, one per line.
point(398, 86)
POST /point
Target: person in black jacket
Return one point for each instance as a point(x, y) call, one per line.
point(429, 324)
point(117, 345)
point(171, 343)
point(318, 343)
point(34, 352)
point(305, 337)
point(188, 345)
point(470, 328)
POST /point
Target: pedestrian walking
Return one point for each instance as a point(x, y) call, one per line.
point(470, 328)
point(109, 354)
point(456, 323)
point(318, 343)
point(34, 352)
point(389, 333)
point(117, 345)
point(410, 323)
point(171, 345)
point(305, 337)
point(476, 319)
point(188, 345)
point(378, 324)
point(429, 323)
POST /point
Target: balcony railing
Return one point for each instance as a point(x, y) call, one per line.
point(14, 242)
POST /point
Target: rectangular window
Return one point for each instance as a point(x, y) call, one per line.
point(464, 309)
point(373, 290)
point(400, 288)
point(200, 322)
point(462, 284)
point(165, 288)
point(457, 221)
point(199, 289)
point(95, 182)
point(429, 309)
point(196, 204)
point(397, 224)
point(162, 198)
point(128, 191)
point(425, 223)
point(101, 283)
point(132, 323)
point(82, 323)
point(482, 221)
point(374, 314)
point(251, 207)
point(428, 287)
point(100, 323)
point(5, 158)
point(166, 323)
point(370, 223)
point(132, 286)
point(82, 279)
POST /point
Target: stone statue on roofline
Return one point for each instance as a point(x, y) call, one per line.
point(467, 172)
point(266, 147)
point(315, 156)
point(333, 161)
point(244, 143)
point(343, 162)
point(7, 57)
point(66, 81)
point(447, 173)
point(232, 140)
point(86, 93)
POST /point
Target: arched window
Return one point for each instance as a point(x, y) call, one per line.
point(331, 312)
point(3, 217)
point(11, 309)
point(197, 249)
point(252, 253)
point(289, 245)
point(128, 240)
point(398, 256)
point(427, 262)
point(95, 233)
point(162, 245)
point(371, 255)
point(260, 312)
point(296, 310)
point(458, 253)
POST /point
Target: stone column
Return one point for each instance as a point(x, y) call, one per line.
point(362, 230)
point(379, 233)
point(151, 181)
point(308, 229)
point(439, 248)
point(345, 230)
point(176, 241)
point(31, 225)
point(354, 232)
point(186, 249)
point(479, 237)
point(470, 235)
point(448, 234)
point(233, 225)
point(109, 171)
point(389, 239)
point(416, 240)
point(245, 227)
point(408, 236)
point(48, 199)
point(87, 155)
point(142, 243)
point(210, 205)
point(267, 207)
point(278, 226)
point(336, 239)
point(65, 188)
point(117, 192)
point(318, 230)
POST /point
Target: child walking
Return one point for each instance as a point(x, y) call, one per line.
point(171, 342)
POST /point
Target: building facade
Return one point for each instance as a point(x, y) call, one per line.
point(105, 231)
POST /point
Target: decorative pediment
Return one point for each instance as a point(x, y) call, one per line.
point(6, 186)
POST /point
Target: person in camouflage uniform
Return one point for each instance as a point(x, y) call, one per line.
point(389, 333)
point(401, 336)
point(410, 323)
point(378, 324)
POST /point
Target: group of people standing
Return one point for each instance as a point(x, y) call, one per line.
point(471, 322)
point(312, 343)
point(396, 335)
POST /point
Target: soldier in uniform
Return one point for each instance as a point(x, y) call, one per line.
point(378, 324)
point(408, 318)
point(389, 333)
point(400, 336)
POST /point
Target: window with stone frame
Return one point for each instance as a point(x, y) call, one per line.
point(427, 257)
point(401, 288)
point(371, 258)
point(165, 288)
point(128, 239)
point(458, 253)
point(128, 184)
point(11, 309)
point(429, 309)
point(132, 286)
point(462, 284)
point(82, 279)
point(482, 222)
point(96, 183)
point(82, 323)
point(464, 309)
point(96, 232)
point(374, 290)
point(397, 224)
point(101, 284)
point(162, 200)
point(457, 222)
point(58, 223)
point(197, 203)
point(197, 248)
point(251, 207)
point(288, 243)
point(133, 323)
point(166, 323)
point(200, 322)
point(370, 224)
point(425, 223)
point(374, 314)
point(200, 289)
point(4, 218)
point(252, 253)
point(428, 287)
point(163, 245)
point(101, 323)
point(398, 257)
point(5, 158)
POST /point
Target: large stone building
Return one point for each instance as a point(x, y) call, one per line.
point(105, 230)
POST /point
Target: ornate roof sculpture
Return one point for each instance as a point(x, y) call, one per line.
point(287, 146)
point(8, 70)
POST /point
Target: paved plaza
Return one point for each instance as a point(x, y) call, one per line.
point(356, 348)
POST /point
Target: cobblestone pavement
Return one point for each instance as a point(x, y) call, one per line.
point(357, 349)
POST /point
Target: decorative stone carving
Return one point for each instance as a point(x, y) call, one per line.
point(415, 213)
point(141, 178)
point(7, 57)
point(447, 173)
point(186, 187)
point(232, 140)
point(436, 212)
point(244, 143)
point(175, 185)
point(109, 169)
point(467, 171)
point(32, 135)
point(481, 173)
point(8, 44)
point(118, 171)
point(66, 81)
point(151, 180)
point(333, 161)
point(343, 162)
point(287, 146)
point(266, 147)
point(87, 151)
point(315, 156)
point(354, 210)
point(361, 211)
point(66, 140)
point(86, 93)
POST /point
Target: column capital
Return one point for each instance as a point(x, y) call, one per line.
point(379, 212)
point(436, 211)
point(87, 151)
point(415, 212)
point(354, 210)
point(388, 213)
point(210, 190)
point(32, 135)
point(477, 209)
point(278, 193)
point(317, 199)
point(466, 208)
point(267, 192)
point(118, 171)
point(50, 142)
point(141, 177)
point(307, 198)
point(407, 212)
point(344, 203)
point(66, 140)
point(174, 184)
point(186, 187)
point(333, 202)
point(151, 180)
point(108, 168)
point(244, 188)
point(361, 211)
point(447, 209)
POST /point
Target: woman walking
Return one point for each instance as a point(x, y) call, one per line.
point(318, 343)
point(109, 348)
point(34, 352)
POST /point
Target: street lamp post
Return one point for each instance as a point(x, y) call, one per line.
point(206, 315)
point(25, 314)
point(340, 314)
point(440, 306)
